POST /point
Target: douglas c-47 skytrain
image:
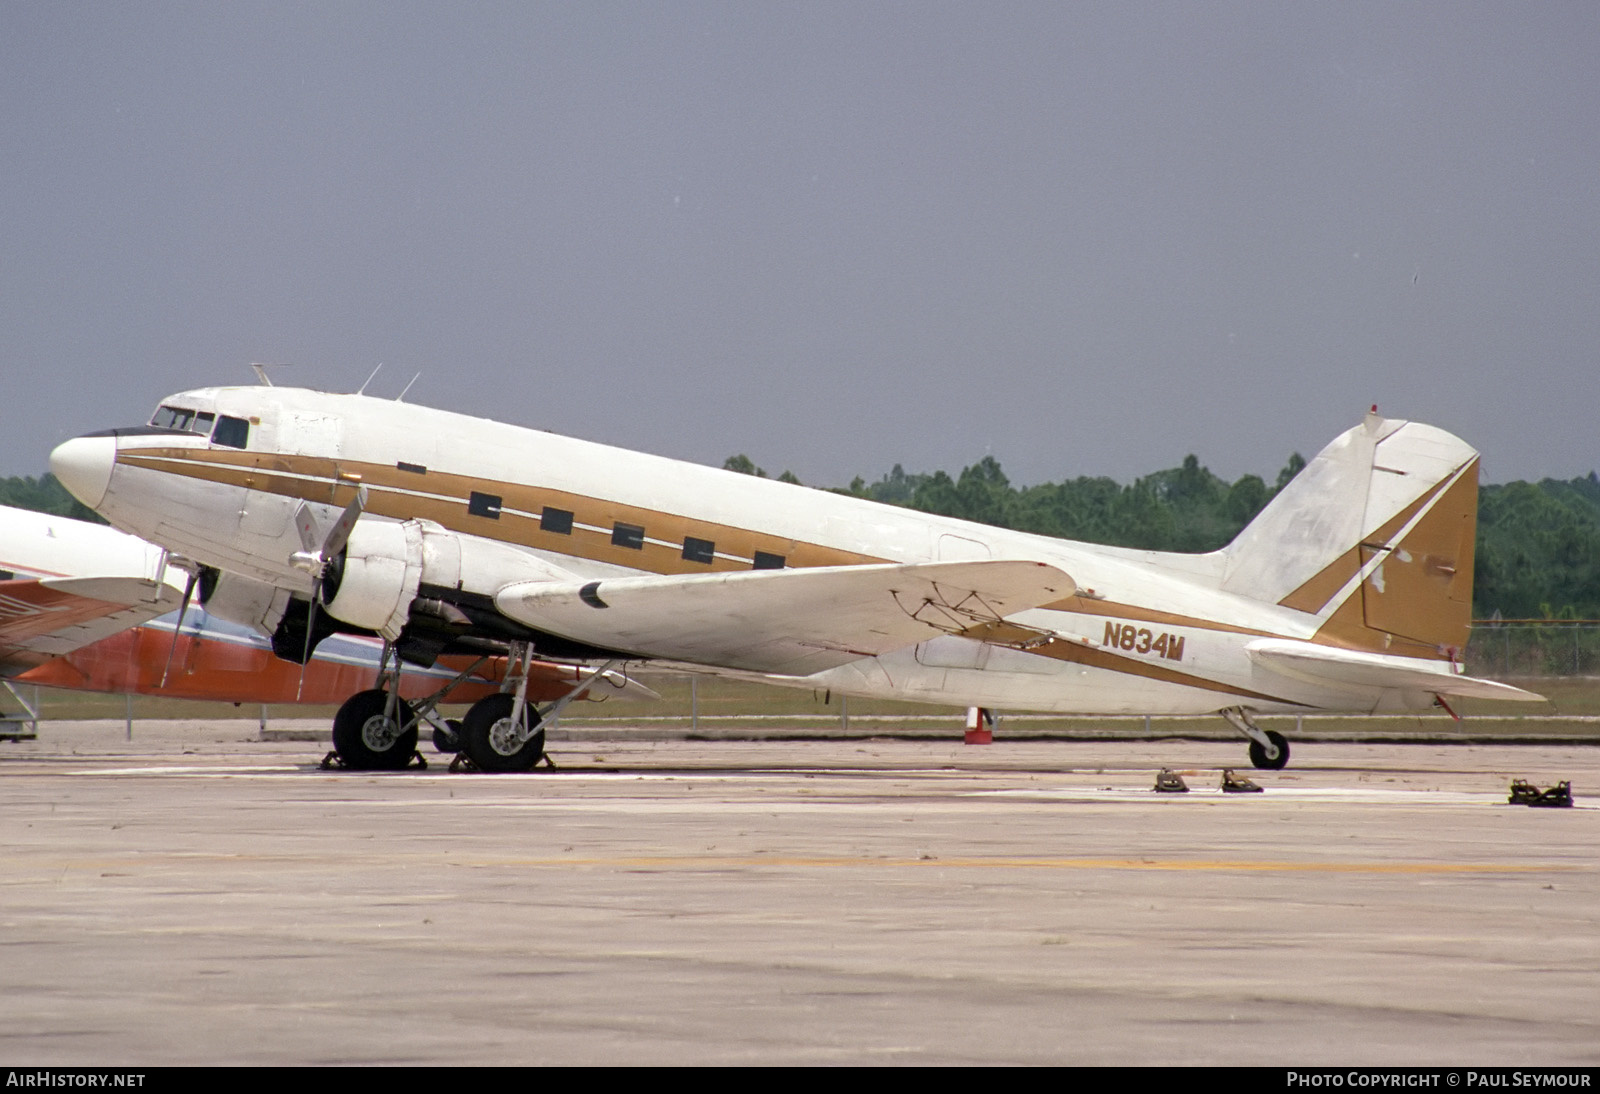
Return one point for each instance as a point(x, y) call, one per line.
point(441, 533)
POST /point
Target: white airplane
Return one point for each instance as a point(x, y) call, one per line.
point(1351, 591)
point(88, 608)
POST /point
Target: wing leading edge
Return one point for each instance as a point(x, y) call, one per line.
point(786, 622)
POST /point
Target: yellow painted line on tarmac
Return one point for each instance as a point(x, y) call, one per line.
point(814, 862)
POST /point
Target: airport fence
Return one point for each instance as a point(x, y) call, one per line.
point(1546, 647)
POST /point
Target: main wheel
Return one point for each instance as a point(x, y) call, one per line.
point(491, 739)
point(367, 739)
point(1259, 756)
point(448, 740)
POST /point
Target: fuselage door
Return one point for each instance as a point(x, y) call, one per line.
point(303, 433)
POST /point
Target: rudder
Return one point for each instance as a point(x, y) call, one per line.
point(1375, 537)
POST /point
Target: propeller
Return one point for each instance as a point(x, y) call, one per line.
point(183, 610)
point(315, 561)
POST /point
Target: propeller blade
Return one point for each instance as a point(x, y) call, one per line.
point(306, 524)
point(317, 563)
point(339, 534)
point(183, 610)
point(311, 622)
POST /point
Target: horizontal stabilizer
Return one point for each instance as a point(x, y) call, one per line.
point(43, 619)
point(1334, 666)
point(788, 622)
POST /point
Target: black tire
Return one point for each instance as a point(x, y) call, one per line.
point(447, 740)
point(1259, 757)
point(366, 739)
point(484, 733)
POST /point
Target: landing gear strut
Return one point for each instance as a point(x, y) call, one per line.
point(1269, 750)
point(504, 732)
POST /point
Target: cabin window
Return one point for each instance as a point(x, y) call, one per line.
point(698, 550)
point(768, 561)
point(627, 535)
point(414, 468)
point(556, 520)
point(484, 505)
point(233, 432)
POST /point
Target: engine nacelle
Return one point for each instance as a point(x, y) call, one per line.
point(244, 600)
point(373, 581)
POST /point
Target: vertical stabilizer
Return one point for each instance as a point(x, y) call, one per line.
point(1375, 538)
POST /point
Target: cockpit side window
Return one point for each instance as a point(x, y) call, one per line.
point(233, 432)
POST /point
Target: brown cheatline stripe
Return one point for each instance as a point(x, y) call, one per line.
point(1085, 606)
point(1100, 658)
point(394, 493)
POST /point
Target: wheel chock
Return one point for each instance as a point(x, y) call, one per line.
point(1170, 782)
point(1234, 784)
point(1558, 796)
point(334, 762)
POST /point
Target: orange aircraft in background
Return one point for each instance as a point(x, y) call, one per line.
point(87, 608)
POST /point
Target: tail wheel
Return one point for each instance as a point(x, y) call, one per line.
point(368, 739)
point(1274, 760)
point(493, 741)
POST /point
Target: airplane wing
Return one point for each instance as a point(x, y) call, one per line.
point(787, 622)
point(47, 617)
point(1330, 665)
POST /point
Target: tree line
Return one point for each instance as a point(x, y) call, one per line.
point(1538, 551)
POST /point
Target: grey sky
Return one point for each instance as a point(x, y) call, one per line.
point(1085, 238)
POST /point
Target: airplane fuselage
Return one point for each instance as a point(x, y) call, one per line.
point(1145, 632)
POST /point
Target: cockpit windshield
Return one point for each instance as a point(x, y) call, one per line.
point(233, 432)
point(190, 421)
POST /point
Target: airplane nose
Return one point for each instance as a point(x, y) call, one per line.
point(83, 465)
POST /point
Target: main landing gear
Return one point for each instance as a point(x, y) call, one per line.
point(1269, 749)
point(376, 730)
point(505, 732)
